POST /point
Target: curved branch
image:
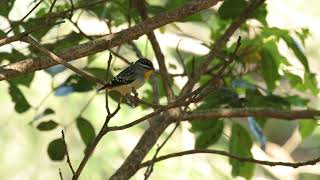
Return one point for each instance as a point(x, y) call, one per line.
point(233, 156)
point(105, 42)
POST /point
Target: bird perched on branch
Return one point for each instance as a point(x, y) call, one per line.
point(131, 78)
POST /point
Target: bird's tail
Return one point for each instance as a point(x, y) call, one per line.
point(105, 86)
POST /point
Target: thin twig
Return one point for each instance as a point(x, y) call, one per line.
point(233, 156)
point(103, 131)
point(19, 22)
point(54, 57)
point(135, 49)
point(18, 37)
point(72, 8)
point(51, 7)
point(67, 153)
point(60, 174)
point(107, 79)
point(180, 57)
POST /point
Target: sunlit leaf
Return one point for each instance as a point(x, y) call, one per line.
point(311, 82)
point(297, 101)
point(306, 127)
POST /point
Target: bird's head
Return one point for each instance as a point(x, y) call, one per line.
point(147, 65)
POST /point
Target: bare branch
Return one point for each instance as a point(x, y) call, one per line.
point(255, 112)
point(67, 153)
point(233, 156)
point(106, 42)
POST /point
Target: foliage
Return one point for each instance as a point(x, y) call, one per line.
point(258, 58)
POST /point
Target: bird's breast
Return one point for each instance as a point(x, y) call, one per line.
point(138, 83)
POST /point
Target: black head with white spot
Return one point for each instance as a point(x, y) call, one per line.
point(145, 63)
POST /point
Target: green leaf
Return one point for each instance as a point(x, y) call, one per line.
point(47, 126)
point(254, 98)
point(296, 81)
point(98, 72)
point(222, 97)
point(210, 134)
point(79, 84)
point(297, 101)
point(292, 44)
point(22, 80)
point(48, 111)
point(270, 65)
point(86, 130)
point(231, 9)
point(14, 56)
point(240, 144)
point(6, 6)
point(21, 103)
point(56, 150)
point(306, 127)
point(297, 50)
point(311, 82)
point(261, 14)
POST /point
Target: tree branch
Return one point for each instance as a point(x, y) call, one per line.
point(106, 42)
point(140, 5)
point(220, 43)
point(67, 153)
point(103, 131)
point(233, 156)
point(24, 17)
point(255, 112)
point(61, 61)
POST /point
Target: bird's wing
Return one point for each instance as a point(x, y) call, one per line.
point(124, 77)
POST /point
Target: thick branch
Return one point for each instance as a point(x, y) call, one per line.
point(224, 153)
point(106, 42)
point(255, 112)
point(146, 142)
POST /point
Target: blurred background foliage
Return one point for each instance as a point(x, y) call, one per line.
point(276, 66)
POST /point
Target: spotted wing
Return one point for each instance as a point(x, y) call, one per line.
point(126, 76)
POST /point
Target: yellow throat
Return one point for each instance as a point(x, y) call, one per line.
point(147, 74)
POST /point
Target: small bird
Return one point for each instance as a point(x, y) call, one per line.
point(131, 78)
